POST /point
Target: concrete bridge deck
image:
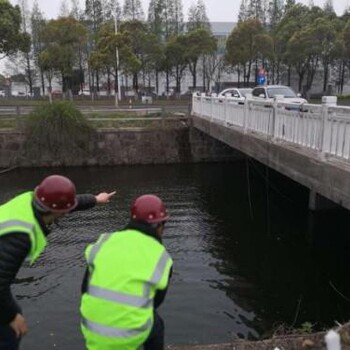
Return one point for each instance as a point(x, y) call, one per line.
point(310, 146)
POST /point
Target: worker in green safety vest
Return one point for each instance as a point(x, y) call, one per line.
point(24, 226)
point(126, 280)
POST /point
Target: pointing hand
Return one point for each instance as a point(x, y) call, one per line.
point(104, 197)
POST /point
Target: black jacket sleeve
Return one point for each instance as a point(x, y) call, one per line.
point(84, 285)
point(85, 201)
point(14, 248)
point(161, 293)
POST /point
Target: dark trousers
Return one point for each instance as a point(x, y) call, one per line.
point(155, 340)
point(8, 338)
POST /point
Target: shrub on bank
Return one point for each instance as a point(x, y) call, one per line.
point(57, 133)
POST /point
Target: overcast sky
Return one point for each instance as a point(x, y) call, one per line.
point(217, 10)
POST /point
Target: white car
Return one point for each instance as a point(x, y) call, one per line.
point(85, 92)
point(237, 93)
point(2, 93)
point(269, 92)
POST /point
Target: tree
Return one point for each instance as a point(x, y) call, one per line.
point(104, 57)
point(275, 12)
point(328, 7)
point(94, 14)
point(63, 40)
point(197, 17)
point(257, 9)
point(289, 4)
point(199, 42)
point(76, 11)
point(243, 11)
point(309, 44)
point(175, 57)
point(111, 9)
point(247, 44)
point(37, 24)
point(326, 34)
point(11, 38)
point(293, 21)
point(28, 53)
point(165, 17)
point(64, 9)
point(132, 10)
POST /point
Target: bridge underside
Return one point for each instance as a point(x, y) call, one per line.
point(329, 178)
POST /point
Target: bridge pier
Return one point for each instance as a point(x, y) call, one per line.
point(318, 202)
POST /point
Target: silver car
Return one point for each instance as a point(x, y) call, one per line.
point(269, 92)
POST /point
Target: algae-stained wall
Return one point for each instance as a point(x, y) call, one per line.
point(125, 146)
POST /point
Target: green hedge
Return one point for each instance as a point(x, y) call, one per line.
point(57, 132)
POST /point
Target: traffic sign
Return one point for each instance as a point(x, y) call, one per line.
point(260, 79)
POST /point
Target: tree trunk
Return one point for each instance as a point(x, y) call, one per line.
point(203, 72)
point(178, 81)
point(157, 82)
point(194, 75)
point(239, 77)
point(42, 81)
point(108, 82)
point(342, 78)
point(167, 84)
point(325, 76)
point(289, 74)
point(97, 81)
point(29, 74)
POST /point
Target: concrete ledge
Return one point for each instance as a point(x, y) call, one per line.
point(314, 341)
point(328, 177)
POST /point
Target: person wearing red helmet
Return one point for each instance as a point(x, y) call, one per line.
point(24, 226)
point(126, 280)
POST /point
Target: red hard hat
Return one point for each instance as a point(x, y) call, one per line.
point(149, 208)
point(56, 194)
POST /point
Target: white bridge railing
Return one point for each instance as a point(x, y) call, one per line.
point(324, 128)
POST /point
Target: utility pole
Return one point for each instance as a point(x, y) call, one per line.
point(117, 85)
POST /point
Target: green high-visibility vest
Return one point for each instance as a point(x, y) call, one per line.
point(126, 270)
point(17, 215)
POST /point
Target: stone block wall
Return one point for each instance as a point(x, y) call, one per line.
point(125, 146)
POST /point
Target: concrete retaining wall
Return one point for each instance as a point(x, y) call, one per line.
point(128, 146)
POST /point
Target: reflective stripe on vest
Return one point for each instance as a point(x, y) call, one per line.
point(121, 298)
point(157, 274)
point(109, 331)
point(96, 248)
point(19, 223)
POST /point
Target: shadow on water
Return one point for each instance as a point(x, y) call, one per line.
point(248, 255)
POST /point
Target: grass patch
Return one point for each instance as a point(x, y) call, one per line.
point(8, 122)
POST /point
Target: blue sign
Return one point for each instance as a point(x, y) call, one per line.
point(260, 79)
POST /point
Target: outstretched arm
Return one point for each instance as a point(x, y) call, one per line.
point(87, 201)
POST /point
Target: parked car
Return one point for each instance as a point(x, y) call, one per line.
point(56, 93)
point(269, 92)
point(85, 92)
point(237, 93)
point(2, 93)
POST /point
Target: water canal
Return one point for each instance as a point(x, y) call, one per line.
point(247, 259)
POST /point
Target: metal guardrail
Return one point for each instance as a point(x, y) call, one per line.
point(25, 110)
point(324, 128)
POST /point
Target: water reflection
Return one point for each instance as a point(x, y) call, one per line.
point(239, 234)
